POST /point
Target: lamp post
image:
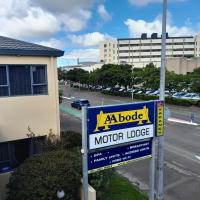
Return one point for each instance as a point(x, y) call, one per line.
point(60, 194)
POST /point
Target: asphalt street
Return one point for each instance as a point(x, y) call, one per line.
point(182, 147)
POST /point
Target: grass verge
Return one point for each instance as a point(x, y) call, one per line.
point(120, 189)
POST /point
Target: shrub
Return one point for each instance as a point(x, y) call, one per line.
point(57, 168)
point(197, 103)
point(100, 180)
point(168, 100)
point(41, 176)
point(68, 140)
point(71, 139)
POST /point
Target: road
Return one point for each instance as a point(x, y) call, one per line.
point(182, 149)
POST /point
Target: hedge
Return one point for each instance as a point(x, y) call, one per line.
point(42, 176)
point(168, 100)
point(57, 168)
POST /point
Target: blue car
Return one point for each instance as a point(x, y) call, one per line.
point(80, 103)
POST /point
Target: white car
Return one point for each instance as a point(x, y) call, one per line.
point(190, 96)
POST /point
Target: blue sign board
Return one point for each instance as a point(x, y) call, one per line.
point(117, 156)
point(108, 126)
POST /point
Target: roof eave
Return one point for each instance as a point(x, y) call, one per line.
point(18, 52)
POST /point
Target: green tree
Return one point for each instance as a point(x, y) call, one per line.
point(61, 74)
point(78, 75)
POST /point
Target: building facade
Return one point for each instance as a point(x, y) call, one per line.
point(28, 101)
point(183, 65)
point(144, 50)
point(109, 52)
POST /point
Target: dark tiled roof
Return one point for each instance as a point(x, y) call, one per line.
point(9, 46)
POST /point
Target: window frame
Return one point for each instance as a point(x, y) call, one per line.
point(38, 84)
point(7, 80)
point(31, 77)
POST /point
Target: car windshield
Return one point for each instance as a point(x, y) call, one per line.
point(85, 101)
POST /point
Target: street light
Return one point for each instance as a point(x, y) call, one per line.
point(60, 194)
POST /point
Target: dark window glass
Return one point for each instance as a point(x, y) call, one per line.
point(4, 157)
point(3, 78)
point(20, 80)
point(39, 75)
point(3, 91)
point(40, 89)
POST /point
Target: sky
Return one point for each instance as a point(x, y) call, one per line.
point(78, 26)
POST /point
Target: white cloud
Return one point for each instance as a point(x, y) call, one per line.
point(64, 6)
point(34, 19)
point(36, 23)
point(54, 43)
point(11, 8)
point(72, 23)
point(137, 27)
point(103, 13)
point(147, 2)
point(83, 54)
point(89, 39)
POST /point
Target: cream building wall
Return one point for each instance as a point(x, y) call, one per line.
point(182, 65)
point(39, 112)
point(108, 52)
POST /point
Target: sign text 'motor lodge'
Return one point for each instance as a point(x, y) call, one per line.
point(108, 119)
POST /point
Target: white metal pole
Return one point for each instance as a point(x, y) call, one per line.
point(84, 152)
point(132, 83)
point(160, 162)
point(152, 173)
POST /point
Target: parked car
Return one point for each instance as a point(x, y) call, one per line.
point(108, 89)
point(191, 96)
point(80, 103)
point(178, 95)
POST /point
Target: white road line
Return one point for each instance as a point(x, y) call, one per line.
point(68, 98)
point(182, 121)
point(116, 100)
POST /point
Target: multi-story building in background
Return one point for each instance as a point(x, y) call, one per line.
point(109, 52)
point(144, 50)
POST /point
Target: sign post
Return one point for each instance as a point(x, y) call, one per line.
point(84, 153)
point(114, 135)
point(160, 161)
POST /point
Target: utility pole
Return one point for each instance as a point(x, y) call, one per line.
point(160, 160)
point(132, 83)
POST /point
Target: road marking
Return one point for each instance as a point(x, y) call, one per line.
point(68, 98)
point(198, 157)
point(182, 121)
point(120, 101)
point(70, 111)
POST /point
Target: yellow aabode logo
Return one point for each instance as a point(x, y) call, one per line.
point(108, 119)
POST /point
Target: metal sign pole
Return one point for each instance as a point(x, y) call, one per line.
point(152, 173)
point(160, 163)
point(84, 152)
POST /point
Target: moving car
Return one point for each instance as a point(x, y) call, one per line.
point(80, 103)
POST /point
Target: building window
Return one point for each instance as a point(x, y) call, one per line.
point(105, 45)
point(39, 80)
point(16, 80)
point(3, 81)
point(13, 153)
point(4, 157)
